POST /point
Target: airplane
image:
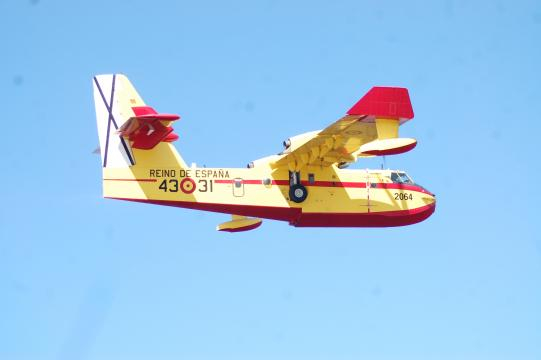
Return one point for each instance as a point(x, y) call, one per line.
point(307, 184)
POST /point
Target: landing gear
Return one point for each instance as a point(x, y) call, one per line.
point(297, 191)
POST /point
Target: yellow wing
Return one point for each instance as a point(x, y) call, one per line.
point(370, 128)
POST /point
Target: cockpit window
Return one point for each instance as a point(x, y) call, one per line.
point(401, 178)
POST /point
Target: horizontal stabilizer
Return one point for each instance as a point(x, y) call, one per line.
point(148, 128)
point(146, 112)
point(387, 147)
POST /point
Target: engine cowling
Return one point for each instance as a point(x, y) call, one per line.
point(297, 141)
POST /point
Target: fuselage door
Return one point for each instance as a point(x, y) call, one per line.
point(238, 187)
point(368, 186)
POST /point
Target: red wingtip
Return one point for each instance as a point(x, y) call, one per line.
point(385, 102)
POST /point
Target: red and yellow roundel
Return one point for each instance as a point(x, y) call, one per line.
point(187, 185)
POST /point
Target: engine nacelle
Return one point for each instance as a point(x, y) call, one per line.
point(297, 141)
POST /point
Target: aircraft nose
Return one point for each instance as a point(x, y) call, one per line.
point(429, 198)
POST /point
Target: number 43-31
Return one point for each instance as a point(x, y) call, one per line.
point(171, 185)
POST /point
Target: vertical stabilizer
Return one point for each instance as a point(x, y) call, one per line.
point(114, 97)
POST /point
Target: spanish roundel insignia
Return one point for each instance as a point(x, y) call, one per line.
point(187, 185)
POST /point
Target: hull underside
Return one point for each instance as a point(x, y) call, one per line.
point(295, 216)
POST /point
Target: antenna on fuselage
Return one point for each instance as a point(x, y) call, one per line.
point(383, 163)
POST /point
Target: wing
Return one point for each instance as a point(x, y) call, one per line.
point(369, 128)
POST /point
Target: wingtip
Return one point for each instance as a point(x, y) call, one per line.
point(386, 102)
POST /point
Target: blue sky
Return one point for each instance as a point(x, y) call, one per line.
point(87, 278)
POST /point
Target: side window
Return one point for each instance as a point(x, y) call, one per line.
point(238, 183)
point(311, 179)
point(405, 178)
point(267, 182)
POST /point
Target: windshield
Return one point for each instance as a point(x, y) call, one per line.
point(400, 178)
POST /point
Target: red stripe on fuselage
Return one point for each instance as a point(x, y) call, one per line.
point(338, 184)
point(140, 180)
point(342, 184)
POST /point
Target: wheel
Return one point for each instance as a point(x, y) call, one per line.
point(298, 193)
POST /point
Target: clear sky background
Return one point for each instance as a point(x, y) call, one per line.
point(87, 278)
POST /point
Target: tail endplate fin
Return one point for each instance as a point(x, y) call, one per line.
point(385, 102)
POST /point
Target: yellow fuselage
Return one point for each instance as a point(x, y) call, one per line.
point(336, 197)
